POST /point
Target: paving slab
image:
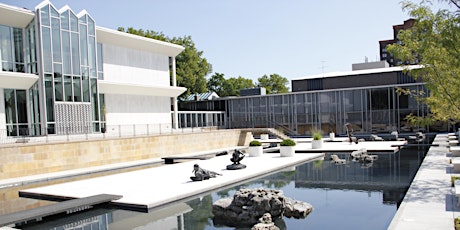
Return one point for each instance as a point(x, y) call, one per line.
point(429, 203)
point(149, 188)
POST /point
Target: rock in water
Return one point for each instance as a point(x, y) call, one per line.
point(248, 205)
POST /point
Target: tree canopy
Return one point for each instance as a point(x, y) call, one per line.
point(434, 42)
point(228, 87)
point(191, 66)
point(274, 84)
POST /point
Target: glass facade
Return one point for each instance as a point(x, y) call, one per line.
point(369, 110)
point(61, 49)
point(68, 55)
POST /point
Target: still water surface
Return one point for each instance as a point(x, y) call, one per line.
point(351, 196)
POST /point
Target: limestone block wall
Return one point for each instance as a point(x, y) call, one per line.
point(31, 159)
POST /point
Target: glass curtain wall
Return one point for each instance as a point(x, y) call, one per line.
point(16, 55)
point(69, 71)
point(369, 110)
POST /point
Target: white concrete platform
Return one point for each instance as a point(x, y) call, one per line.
point(148, 188)
point(430, 201)
point(370, 146)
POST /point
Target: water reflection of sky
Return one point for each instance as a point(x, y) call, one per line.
point(350, 196)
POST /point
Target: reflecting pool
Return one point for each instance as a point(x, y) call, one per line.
point(351, 196)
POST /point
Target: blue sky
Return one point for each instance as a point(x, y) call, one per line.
point(250, 38)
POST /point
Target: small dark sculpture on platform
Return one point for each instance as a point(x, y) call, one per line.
point(351, 137)
point(202, 174)
point(237, 156)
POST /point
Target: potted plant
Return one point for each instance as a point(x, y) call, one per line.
point(255, 149)
point(317, 141)
point(287, 148)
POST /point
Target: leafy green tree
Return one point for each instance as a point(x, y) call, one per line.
point(434, 42)
point(216, 83)
point(274, 84)
point(232, 86)
point(191, 66)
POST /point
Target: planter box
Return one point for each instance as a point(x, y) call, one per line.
point(255, 151)
point(264, 136)
point(287, 151)
point(317, 144)
point(332, 136)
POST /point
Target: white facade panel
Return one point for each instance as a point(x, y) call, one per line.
point(135, 66)
point(134, 109)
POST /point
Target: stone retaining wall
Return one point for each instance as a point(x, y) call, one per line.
point(31, 159)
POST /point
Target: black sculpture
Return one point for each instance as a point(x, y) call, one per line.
point(202, 174)
point(351, 137)
point(237, 156)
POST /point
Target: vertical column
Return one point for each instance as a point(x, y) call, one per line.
point(174, 84)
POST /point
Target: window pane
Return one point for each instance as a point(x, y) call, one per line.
point(91, 26)
point(77, 89)
point(65, 20)
point(10, 106)
point(73, 22)
point(46, 39)
point(83, 46)
point(58, 89)
point(85, 84)
point(18, 48)
point(92, 56)
point(66, 52)
point(94, 100)
point(68, 88)
point(5, 44)
point(49, 99)
point(54, 12)
point(22, 106)
point(44, 16)
point(56, 40)
point(75, 52)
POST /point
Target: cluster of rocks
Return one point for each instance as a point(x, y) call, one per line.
point(247, 206)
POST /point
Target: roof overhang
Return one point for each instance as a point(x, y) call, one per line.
point(123, 39)
point(110, 87)
point(15, 16)
point(14, 80)
point(362, 72)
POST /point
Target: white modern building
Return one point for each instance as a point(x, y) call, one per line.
point(60, 73)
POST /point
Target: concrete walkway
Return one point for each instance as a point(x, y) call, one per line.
point(429, 203)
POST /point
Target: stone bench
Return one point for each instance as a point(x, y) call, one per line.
point(170, 160)
point(456, 164)
point(455, 150)
point(453, 142)
point(457, 191)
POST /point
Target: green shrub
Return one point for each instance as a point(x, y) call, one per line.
point(287, 142)
point(255, 143)
point(457, 223)
point(317, 135)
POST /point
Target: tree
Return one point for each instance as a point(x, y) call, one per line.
point(232, 86)
point(216, 83)
point(434, 42)
point(191, 67)
point(274, 84)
